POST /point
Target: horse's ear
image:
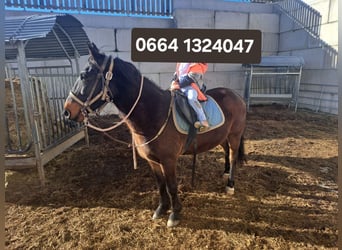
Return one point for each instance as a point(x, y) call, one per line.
point(93, 50)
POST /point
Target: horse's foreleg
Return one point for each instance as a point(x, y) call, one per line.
point(164, 199)
point(171, 184)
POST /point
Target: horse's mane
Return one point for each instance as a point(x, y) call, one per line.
point(132, 74)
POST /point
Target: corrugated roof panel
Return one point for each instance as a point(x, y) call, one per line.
point(26, 28)
point(41, 41)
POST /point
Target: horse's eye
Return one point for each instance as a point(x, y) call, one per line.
point(83, 75)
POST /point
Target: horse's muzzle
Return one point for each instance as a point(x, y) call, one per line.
point(66, 114)
point(72, 111)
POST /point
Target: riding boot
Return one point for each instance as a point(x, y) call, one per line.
point(203, 125)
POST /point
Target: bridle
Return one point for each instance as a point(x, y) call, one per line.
point(103, 95)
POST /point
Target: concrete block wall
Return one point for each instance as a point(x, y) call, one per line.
point(280, 36)
point(231, 75)
point(319, 83)
point(222, 6)
point(113, 35)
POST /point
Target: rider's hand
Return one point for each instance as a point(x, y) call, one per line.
point(174, 86)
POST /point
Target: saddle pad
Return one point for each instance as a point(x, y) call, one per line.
point(212, 111)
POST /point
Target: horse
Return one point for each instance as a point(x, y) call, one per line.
point(145, 108)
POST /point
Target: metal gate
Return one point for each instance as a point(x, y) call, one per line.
point(274, 79)
point(42, 53)
point(36, 130)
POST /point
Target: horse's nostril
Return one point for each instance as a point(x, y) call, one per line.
point(66, 114)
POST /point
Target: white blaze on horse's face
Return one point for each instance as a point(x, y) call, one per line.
point(87, 85)
point(73, 109)
point(85, 95)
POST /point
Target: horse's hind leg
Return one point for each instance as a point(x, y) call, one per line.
point(230, 185)
point(235, 144)
point(225, 147)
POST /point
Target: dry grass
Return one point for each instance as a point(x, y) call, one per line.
point(285, 196)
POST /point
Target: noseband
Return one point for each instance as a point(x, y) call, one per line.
point(103, 95)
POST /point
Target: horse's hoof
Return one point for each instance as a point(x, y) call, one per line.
point(172, 223)
point(230, 190)
point(173, 220)
point(160, 212)
point(156, 216)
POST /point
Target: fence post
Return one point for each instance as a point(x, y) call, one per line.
point(28, 104)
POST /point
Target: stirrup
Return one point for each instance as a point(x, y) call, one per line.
point(197, 124)
point(201, 125)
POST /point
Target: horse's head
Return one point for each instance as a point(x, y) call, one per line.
point(89, 91)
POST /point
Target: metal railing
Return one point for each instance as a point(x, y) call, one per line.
point(310, 20)
point(36, 129)
point(151, 8)
point(273, 84)
point(304, 14)
point(17, 125)
point(48, 89)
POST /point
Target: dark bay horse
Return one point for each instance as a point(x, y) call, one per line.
point(146, 111)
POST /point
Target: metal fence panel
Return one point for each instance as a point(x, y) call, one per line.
point(18, 136)
point(279, 82)
point(48, 87)
point(160, 8)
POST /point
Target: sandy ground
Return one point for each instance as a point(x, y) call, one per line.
point(285, 196)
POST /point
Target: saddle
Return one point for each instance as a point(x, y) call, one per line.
point(184, 116)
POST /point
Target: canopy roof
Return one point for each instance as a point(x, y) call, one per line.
point(280, 61)
point(45, 36)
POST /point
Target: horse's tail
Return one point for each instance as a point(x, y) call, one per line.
point(241, 153)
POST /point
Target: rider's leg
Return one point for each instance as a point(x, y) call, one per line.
point(198, 78)
point(195, 104)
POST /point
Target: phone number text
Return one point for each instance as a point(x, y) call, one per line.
point(193, 45)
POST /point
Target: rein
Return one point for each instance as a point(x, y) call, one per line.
point(104, 96)
point(162, 127)
point(123, 120)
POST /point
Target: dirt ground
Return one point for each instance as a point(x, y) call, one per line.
point(285, 195)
